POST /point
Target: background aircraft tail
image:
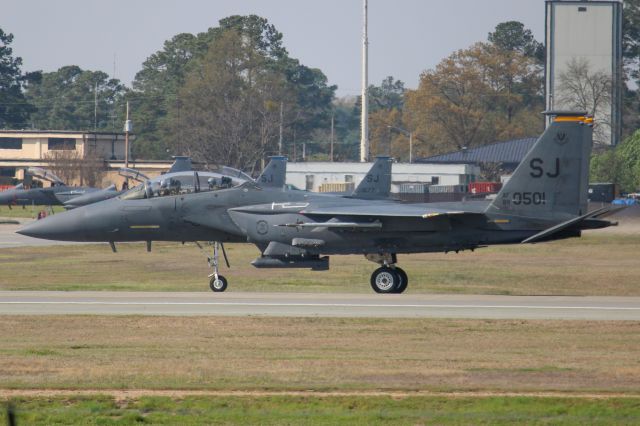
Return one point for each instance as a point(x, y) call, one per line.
point(377, 183)
point(274, 175)
point(181, 164)
point(552, 180)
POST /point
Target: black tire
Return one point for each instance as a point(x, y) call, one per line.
point(219, 285)
point(384, 280)
point(404, 280)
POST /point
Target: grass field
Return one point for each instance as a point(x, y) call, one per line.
point(240, 353)
point(27, 211)
point(597, 264)
point(326, 411)
point(251, 357)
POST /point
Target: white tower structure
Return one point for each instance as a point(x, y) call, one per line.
point(586, 33)
point(364, 117)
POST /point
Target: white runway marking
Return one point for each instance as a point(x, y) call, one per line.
point(319, 305)
point(330, 305)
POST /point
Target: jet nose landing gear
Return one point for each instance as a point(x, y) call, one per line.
point(388, 278)
point(217, 283)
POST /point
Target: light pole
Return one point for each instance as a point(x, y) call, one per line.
point(408, 133)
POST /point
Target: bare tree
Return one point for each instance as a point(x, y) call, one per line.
point(584, 89)
point(71, 166)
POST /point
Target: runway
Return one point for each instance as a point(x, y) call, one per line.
point(9, 238)
point(319, 305)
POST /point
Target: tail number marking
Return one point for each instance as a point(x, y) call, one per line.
point(529, 198)
point(537, 169)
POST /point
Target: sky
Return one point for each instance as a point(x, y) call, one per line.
point(406, 37)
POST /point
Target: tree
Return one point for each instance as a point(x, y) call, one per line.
point(631, 37)
point(582, 89)
point(14, 108)
point(155, 88)
point(620, 165)
point(474, 97)
point(389, 95)
point(512, 36)
point(66, 100)
point(631, 63)
point(386, 104)
point(158, 84)
point(229, 107)
point(70, 166)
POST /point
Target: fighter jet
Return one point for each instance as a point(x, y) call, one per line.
point(185, 211)
point(56, 194)
point(545, 199)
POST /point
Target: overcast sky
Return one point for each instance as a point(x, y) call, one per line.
point(406, 37)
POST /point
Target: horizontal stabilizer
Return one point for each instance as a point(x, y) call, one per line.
point(564, 225)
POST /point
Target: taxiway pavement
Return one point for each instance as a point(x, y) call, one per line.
point(319, 305)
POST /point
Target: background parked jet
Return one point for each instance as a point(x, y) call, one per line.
point(57, 194)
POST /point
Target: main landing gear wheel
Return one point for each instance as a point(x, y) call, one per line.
point(218, 284)
point(404, 280)
point(385, 280)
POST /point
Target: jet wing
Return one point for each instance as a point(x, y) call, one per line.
point(384, 210)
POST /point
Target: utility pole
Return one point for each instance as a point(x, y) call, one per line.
point(410, 147)
point(95, 108)
point(280, 139)
point(332, 138)
point(364, 124)
point(127, 128)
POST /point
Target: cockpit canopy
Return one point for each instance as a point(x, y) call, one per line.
point(182, 183)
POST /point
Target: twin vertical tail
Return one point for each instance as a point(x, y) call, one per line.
point(275, 174)
point(552, 180)
point(377, 182)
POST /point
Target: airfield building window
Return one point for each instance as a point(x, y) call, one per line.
point(10, 143)
point(61, 144)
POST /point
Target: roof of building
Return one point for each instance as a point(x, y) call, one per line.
point(512, 151)
point(61, 132)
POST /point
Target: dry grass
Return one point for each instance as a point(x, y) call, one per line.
point(76, 352)
point(597, 264)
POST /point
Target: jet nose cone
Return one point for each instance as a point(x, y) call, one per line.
point(62, 226)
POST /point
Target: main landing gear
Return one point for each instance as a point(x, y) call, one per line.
point(389, 278)
point(217, 283)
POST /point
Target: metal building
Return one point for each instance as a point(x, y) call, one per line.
point(586, 32)
point(341, 177)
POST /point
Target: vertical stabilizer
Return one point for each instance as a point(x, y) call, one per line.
point(552, 180)
point(275, 174)
point(377, 182)
point(181, 164)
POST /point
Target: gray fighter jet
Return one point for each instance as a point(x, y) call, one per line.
point(191, 212)
point(56, 194)
point(546, 199)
